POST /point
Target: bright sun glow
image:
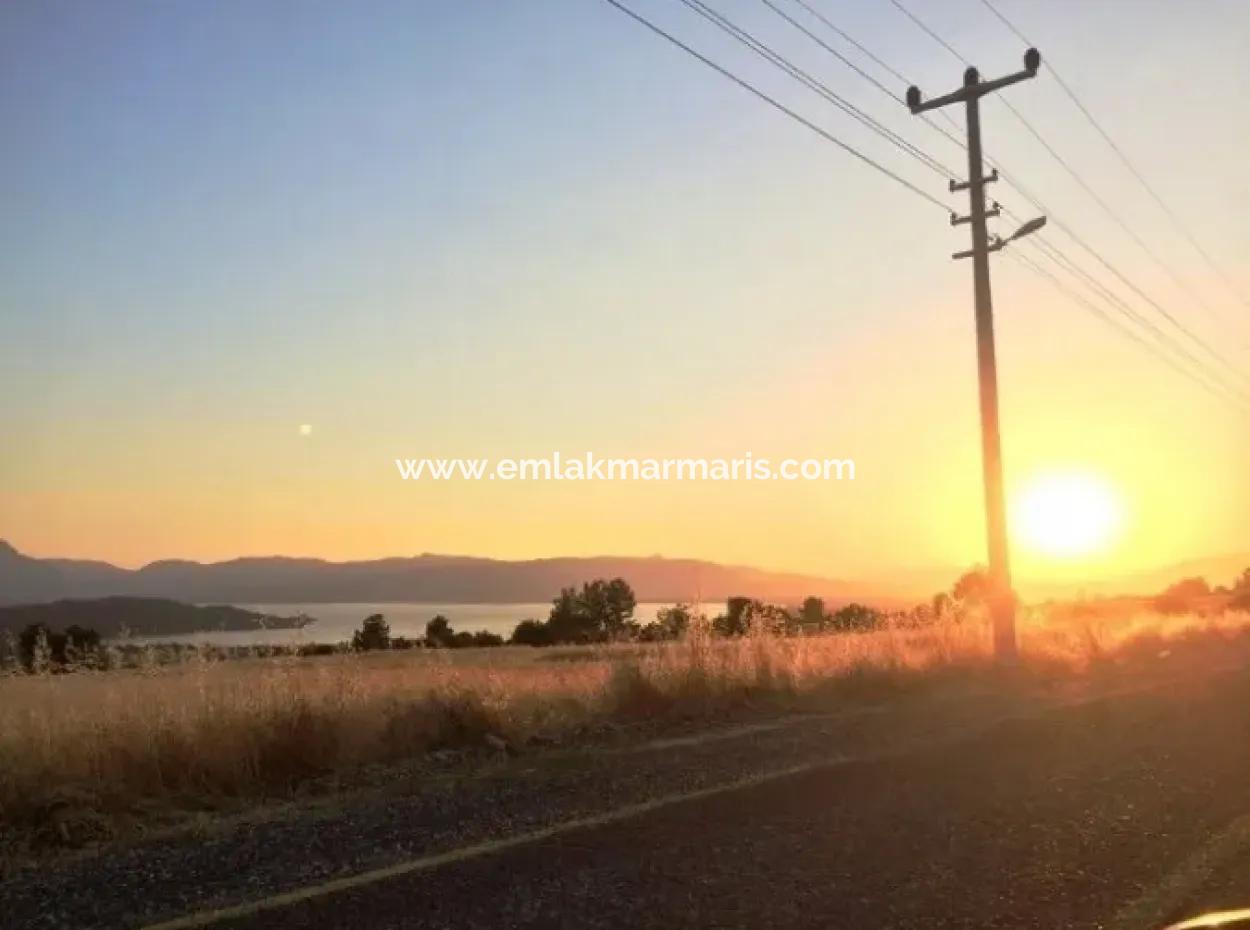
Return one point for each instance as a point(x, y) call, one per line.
point(1068, 515)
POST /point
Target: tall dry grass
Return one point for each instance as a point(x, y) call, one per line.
point(263, 727)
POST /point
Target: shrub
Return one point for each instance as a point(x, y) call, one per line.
point(317, 649)
point(1182, 597)
point(42, 649)
point(440, 635)
point(857, 618)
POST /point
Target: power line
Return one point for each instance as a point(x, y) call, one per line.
point(1125, 309)
point(1080, 241)
point(775, 58)
point(854, 67)
point(831, 50)
point(796, 73)
point(778, 105)
point(1052, 251)
point(1102, 260)
point(1193, 337)
point(1058, 256)
point(1125, 331)
point(846, 37)
point(1061, 258)
point(1182, 228)
point(1107, 208)
point(924, 117)
point(925, 28)
point(1009, 177)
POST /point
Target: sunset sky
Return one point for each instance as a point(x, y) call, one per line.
point(508, 228)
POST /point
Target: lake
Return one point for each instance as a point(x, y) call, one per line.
point(337, 622)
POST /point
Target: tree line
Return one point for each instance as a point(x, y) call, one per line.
point(1195, 595)
point(603, 611)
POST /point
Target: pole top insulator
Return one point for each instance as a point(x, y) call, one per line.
point(971, 77)
point(1032, 60)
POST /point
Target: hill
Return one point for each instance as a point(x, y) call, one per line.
point(146, 616)
point(429, 578)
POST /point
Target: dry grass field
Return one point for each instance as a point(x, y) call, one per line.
point(178, 737)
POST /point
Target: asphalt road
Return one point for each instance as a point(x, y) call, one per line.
point(1097, 817)
point(1120, 813)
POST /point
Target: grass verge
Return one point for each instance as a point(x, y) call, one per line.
point(87, 755)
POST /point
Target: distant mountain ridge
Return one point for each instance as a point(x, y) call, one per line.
point(430, 578)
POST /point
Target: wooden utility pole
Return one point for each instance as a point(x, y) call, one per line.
point(1002, 599)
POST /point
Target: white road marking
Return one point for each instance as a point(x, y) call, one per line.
point(424, 863)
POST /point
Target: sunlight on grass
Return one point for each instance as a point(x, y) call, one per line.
point(263, 727)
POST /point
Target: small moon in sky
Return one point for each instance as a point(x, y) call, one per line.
point(305, 429)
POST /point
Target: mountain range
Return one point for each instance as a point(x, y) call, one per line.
point(425, 578)
point(456, 579)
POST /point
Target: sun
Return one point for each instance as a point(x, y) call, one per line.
point(1068, 514)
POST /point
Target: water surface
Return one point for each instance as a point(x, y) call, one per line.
point(336, 622)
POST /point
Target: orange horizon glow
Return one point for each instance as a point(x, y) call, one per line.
point(220, 329)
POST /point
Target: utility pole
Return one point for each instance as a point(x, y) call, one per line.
point(1002, 599)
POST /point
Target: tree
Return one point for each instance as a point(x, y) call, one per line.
point(80, 645)
point(601, 610)
point(670, 623)
point(568, 621)
point(972, 588)
point(438, 632)
point(606, 607)
point(1241, 592)
point(735, 621)
point(618, 606)
point(81, 639)
point(41, 648)
point(34, 647)
point(374, 633)
point(531, 633)
point(674, 622)
point(812, 613)
point(770, 619)
point(920, 615)
point(743, 615)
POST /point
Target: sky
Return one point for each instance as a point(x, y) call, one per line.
point(509, 228)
